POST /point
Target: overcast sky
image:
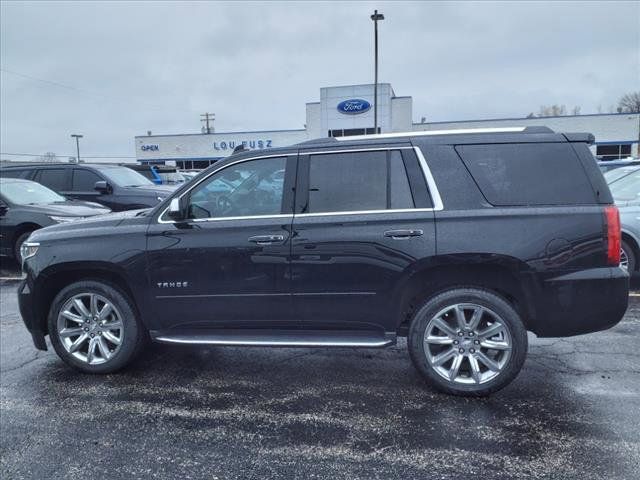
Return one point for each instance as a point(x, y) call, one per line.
point(114, 70)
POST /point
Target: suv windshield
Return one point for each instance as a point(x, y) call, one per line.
point(125, 177)
point(171, 178)
point(627, 189)
point(29, 193)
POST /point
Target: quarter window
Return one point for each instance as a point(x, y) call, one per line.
point(358, 181)
point(249, 188)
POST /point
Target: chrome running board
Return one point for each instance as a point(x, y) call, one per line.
point(278, 338)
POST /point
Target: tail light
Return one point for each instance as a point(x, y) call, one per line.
point(612, 219)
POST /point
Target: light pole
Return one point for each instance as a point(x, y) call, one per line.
point(375, 17)
point(77, 137)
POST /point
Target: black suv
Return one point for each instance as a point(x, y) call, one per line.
point(114, 186)
point(460, 240)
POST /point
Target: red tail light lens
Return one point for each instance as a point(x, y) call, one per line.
point(612, 218)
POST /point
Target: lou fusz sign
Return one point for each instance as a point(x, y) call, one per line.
point(231, 144)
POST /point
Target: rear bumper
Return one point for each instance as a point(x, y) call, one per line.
point(27, 307)
point(581, 302)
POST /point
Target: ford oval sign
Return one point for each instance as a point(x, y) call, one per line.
point(354, 106)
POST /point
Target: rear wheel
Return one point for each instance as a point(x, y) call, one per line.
point(467, 341)
point(627, 257)
point(94, 328)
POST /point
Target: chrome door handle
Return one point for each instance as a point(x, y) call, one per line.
point(401, 234)
point(266, 239)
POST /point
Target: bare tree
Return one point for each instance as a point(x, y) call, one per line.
point(552, 110)
point(575, 110)
point(49, 157)
point(629, 103)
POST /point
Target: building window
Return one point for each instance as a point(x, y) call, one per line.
point(348, 132)
point(613, 152)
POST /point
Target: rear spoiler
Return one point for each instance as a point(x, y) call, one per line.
point(587, 138)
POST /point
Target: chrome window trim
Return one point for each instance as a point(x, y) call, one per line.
point(423, 133)
point(436, 200)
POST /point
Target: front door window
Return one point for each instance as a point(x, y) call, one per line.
point(246, 189)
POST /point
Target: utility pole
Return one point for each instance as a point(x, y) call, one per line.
point(375, 17)
point(77, 137)
point(206, 117)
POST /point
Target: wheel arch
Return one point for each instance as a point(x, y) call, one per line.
point(55, 278)
point(23, 228)
point(500, 274)
point(633, 241)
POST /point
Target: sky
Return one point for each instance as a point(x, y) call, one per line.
point(113, 70)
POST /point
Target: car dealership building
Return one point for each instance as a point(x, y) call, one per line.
point(348, 110)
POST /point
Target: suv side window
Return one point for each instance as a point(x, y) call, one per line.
point(54, 178)
point(14, 173)
point(84, 180)
point(358, 181)
point(254, 187)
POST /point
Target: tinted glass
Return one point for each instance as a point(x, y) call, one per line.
point(245, 189)
point(13, 173)
point(528, 174)
point(28, 193)
point(54, 178)
point(125, 177)
point(84, 180)
point(342, 182)
point(398, 182)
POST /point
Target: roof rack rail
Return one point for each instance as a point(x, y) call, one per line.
point(449, 132)
point(317, 140)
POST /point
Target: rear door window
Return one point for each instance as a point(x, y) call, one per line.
point(358, 181)
point(54, 178)
point(528, 174)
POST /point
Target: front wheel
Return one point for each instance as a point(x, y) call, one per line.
point(467, 341)
point(94, 328)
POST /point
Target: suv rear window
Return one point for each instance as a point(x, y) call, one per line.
point(528, 174)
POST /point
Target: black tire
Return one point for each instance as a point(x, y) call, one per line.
point(631, 257)
point(134, 333)
point(18, 243)
point(486, 299)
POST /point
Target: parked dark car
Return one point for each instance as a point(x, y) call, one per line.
point(114, 186)
point(26, 206)
point(460, 240)
point(158, 174)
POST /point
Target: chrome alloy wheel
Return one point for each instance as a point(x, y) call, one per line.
point(624, 260)
point(467, 343)
point(90, 328)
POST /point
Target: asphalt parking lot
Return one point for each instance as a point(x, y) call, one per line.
point(225, 413)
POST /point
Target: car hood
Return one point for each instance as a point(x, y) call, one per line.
point(71, 208)
point(93, 225)
point(150, 190)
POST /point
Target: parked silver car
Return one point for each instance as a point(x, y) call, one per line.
point(625, 188)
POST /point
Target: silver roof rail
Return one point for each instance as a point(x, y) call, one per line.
point(447, 132)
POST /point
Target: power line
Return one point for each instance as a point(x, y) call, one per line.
point(75, 89)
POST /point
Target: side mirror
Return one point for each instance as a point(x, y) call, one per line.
point(102, 186)
point(177, 209)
